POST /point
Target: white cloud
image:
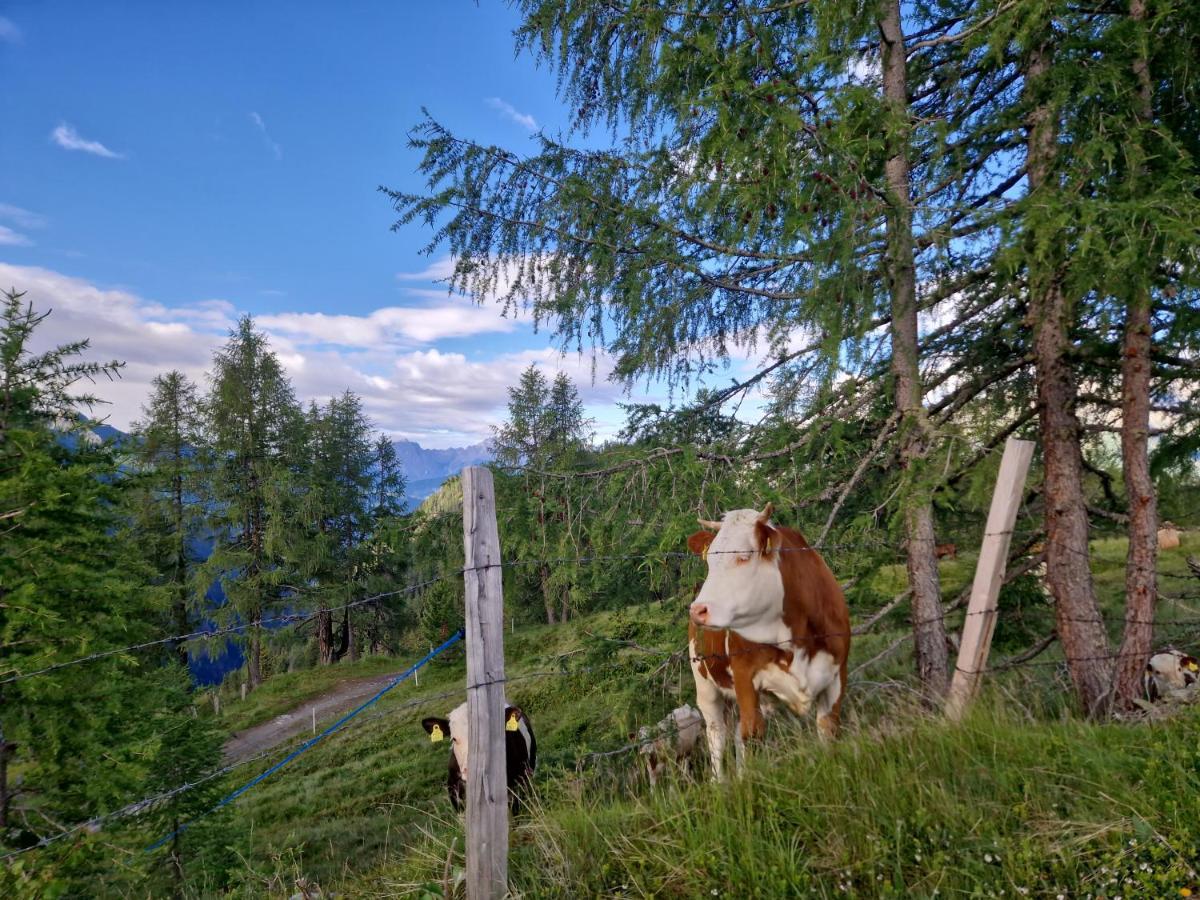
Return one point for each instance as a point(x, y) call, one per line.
point(68, 138)
point(526, 121)
point(438, 398)
point(275, 148)
point(438, 270)
point(22, 218)
point(865, 69)
point(11, 238)
point(389, 325)
point(9, 31)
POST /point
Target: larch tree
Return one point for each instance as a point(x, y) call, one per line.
point(250, 417)
point(169, 447)
point(751, 202)
point(340, 485)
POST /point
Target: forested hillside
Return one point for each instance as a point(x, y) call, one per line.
point(861, 246)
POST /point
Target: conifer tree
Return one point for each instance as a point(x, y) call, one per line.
point(169, 448)
point(251, 419)
point(85, 737)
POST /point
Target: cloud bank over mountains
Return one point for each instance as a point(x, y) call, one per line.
point(411, 387)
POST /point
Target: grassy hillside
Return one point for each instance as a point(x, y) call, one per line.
point(1020, 796)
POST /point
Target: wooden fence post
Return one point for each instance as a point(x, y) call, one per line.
point(989, 575)
point(487, 782)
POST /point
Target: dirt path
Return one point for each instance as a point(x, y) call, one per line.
point(298, 720)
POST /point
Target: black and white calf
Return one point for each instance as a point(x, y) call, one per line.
point(519, 744)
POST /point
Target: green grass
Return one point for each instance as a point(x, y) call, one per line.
point(1051, 800)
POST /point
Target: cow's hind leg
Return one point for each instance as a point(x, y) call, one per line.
point(829, 706)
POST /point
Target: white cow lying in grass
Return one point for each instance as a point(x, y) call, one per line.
point(670, 741)
point(1170, 670)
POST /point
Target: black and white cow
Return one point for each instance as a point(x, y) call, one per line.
point(519, 744)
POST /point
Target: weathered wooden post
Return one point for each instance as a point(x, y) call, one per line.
point(989, 575)
point(487, 784)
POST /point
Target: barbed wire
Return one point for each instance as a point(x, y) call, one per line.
point(283, 620)
point(140, 806)
point(143, 805)
point(664, 555)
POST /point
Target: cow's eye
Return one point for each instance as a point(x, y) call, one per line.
point(742, 558)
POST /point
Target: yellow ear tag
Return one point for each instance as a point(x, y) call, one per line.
point(1193, 666)
point(435, 734)
point(511, 724)
point(704, 553)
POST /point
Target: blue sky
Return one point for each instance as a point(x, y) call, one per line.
point(166, 166)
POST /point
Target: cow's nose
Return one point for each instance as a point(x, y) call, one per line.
point(699, 613)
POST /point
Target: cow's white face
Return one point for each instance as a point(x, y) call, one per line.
point(458, 736)
point(744, 588)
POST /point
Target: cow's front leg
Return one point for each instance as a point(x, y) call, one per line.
point(712, 708)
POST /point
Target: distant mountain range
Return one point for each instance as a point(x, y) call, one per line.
point(427, 469)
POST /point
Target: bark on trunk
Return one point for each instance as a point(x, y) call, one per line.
point(1141, 589)
point(351, 642)
point(544, 577)
point(254, 662)
point(929, 629)
point(1068, 569)
point(324, 636)
point(181, 596)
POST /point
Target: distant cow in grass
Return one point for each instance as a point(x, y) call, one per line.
point(670, 741)
point(945, 551)
point(1169, 670)
point(519, 744)
point(1168, 537)
point(770, 617)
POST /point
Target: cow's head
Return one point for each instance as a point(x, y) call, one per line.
point(454, 729)
point(744, 589)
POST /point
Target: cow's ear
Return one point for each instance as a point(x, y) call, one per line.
point(436, 728)
point(698, 542)
point(512, 718)
point(768, 538)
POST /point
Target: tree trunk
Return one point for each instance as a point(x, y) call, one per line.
point(1068, 569)
point(345, 641)
point(351, 638)
point(1141, 589)
point(929, 629)
point(254, 660)
point(544, 579)
point(324, 636)
point(181, 596)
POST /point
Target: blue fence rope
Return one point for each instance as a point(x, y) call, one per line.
point(225, 801)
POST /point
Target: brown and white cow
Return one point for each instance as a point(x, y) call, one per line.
point(770, 617)
point(1168, 537)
